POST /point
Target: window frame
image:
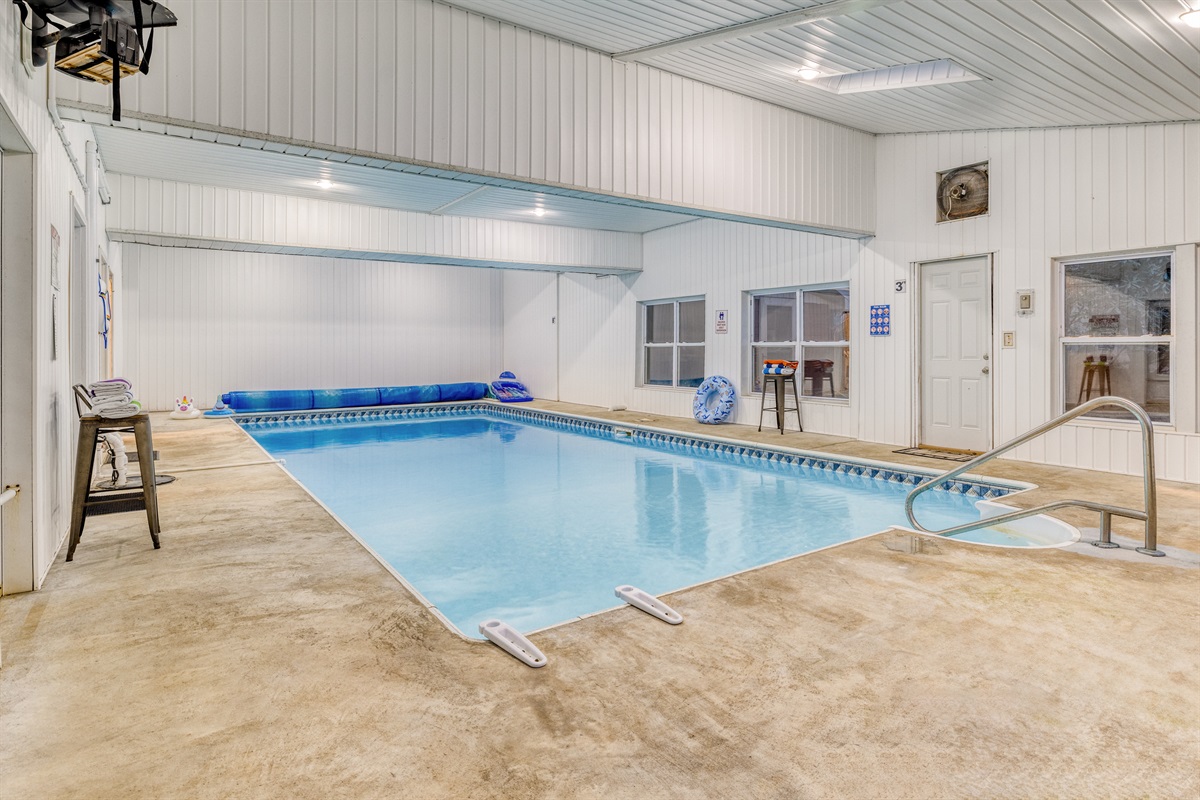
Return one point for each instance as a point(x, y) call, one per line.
point(1063, 341)
point(753, 372)
point(674, 344)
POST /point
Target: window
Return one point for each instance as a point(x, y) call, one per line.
point(673, 343)
point(807, 325)
point(1115, 333)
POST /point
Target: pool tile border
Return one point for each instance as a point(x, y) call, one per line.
point(669, 441)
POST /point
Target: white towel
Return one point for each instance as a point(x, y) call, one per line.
point(130, 409)
point(109, 387)
point(108, 401)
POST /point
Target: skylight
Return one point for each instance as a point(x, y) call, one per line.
point(903, 76)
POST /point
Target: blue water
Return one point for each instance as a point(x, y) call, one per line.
point(535, 525)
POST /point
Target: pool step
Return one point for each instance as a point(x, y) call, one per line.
point(512, 642)
point(649, 603)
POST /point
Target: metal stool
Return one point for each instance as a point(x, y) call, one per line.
point(1094, 371)
point(90, 430)
point(780, 408)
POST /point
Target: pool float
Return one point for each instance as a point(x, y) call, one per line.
point(185, 409)
point(219, 409)
point(715, 400)
point(510, 390)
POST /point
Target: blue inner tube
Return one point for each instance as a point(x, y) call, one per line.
point(714, 400)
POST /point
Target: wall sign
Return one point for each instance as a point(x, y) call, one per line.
point(900, 286)
point(881, 320)
point(723, 321)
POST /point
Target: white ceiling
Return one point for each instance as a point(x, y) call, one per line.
point(1047, 63)
point(175, 158)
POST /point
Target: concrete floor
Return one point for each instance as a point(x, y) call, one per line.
point(262, 653)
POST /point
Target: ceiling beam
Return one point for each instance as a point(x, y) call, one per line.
point(837, 8)
point(444, 207)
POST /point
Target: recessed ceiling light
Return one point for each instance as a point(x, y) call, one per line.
point(324, 183)
point(808, 73)
point(539, 212)
point(1191, 18)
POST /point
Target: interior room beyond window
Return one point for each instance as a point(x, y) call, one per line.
point(673, 343)
point(807, 325)
point(1116, 333)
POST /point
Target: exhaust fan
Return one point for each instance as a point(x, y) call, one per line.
point(962, 192)
point(96, 40)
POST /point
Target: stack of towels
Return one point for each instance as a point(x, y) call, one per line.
point(113, 399)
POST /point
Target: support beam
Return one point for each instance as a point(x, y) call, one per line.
point(444, 207)
point(788, 19)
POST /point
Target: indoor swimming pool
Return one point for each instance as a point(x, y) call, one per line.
point(534, 518)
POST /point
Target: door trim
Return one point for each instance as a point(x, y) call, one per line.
point(917, 305)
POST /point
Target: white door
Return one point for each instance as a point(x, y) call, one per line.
point(530, 348)
point(956, 343)
point(1, 390)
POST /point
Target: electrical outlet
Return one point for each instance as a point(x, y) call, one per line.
point(1010, 339)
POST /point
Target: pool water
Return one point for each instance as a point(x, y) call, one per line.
point(533, 524)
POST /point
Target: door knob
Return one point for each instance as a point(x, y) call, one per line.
point(986, 371)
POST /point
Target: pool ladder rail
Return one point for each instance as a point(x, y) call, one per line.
point(1149, 514)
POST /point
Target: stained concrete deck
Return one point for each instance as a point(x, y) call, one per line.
point(263, 653)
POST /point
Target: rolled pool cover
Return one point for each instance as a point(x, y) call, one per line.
point(309, 399)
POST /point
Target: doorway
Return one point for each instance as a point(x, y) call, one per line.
point(955, 398)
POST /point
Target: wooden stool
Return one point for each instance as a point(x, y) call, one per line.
point(90, 430)
point(780, 408)
point(1097, 371)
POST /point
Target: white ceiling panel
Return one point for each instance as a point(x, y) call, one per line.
point(1046, 63)
point(520, 206)
point(214, 164)
point(614, 26)
point(371, 182)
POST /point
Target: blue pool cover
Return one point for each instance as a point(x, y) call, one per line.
point(309, 399)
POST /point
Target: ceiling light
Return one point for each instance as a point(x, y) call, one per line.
point(539, 212)
point(324, 183)
point(901, 76)
point(808, 73)
point(1191, 18)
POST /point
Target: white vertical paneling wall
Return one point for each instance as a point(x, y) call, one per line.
point(442, 86)
point(202, 322)
point(531, 330)
point(596, 340)
point(1054, 193)
point(720, 261)
point(214, 213)
point(38, 443)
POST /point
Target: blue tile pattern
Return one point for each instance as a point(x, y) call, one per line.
point(672, 442)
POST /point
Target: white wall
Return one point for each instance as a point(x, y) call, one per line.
point(1054, 194)
point(37, 437)
point(720, 261)
point(202, 322)
point(420, 81)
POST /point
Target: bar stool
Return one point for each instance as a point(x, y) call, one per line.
point(780, 382)
point(1094, 371)
point(91, 428)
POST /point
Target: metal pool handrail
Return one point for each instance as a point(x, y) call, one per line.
point(1149, 514)
point(8, 494)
